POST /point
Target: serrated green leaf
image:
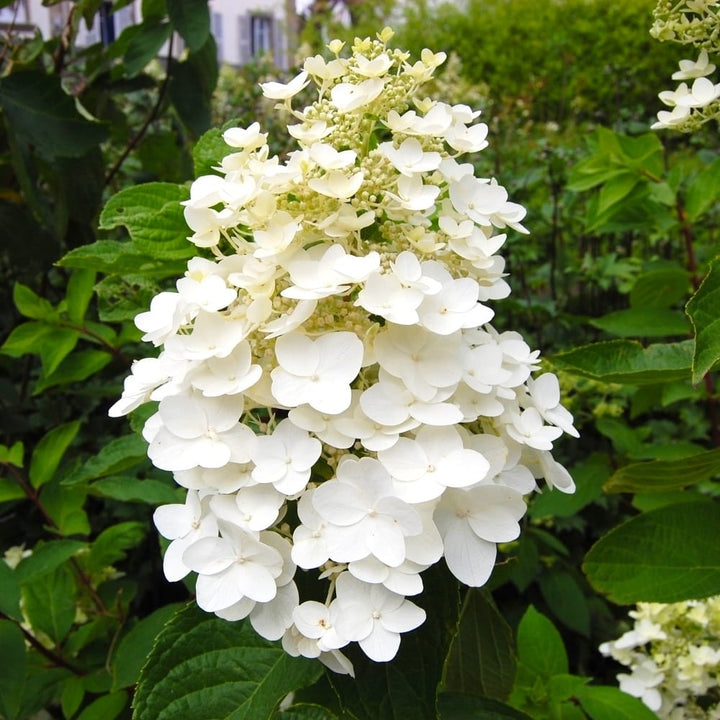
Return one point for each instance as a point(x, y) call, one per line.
point(144, 46)
point(9, 592)
point(705, 316)
point(306, 711)
point(481, 660)
point(31, 305)
point(660, 287)
point(75, 367)
point(209, 150)
point(643, 322)
point(153, 216)
point(610, 703)
point(130, 489)
point(65, 505)
point(569, 605)
point(564, 687)
point(46, 558)
point(660, 556)
point(107, 707)
point(203, 667)
point(51, 342)
point(49, 603)
point(703, 192)
point(460, 706)
point(49, 452)
point(135, 646)
point(118, 455)
point(13, 653)
point(122, 257)
point(80, 289)
point(191, 18)
point(41, 113)
point(665, 475)
point(628, 362)
point(540, 647)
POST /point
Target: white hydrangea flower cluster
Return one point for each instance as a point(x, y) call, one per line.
point(696, 99)
point(330, 390)
point(673, 652)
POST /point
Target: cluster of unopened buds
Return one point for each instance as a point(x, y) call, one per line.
point(673, 656)
point(331, 392)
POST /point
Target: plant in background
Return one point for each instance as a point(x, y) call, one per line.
point(673, 653)
point(331, 392)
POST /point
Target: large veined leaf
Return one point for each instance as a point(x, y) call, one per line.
point(481, 660)
point(45, 116)
point(666, 555)
point(628, 362)
point(650, 322)
point(204, 668)
point(154, 218)
point(191, 18)
point(610, 703)
point(704, 311)
point(665, 475)
point(462, 706)
point(703, 192)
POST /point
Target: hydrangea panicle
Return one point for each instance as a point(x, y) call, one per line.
point(331, 391)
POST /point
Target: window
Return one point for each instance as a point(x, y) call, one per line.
point(260, 34)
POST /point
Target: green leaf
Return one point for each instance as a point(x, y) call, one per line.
point(615, 189)
point(191, 87)
point(660, 287)
point(136, 645)
point(80, 289)
point(130, 489)
point(306, 711)
point(202, 667)
point(209, 150)
point(46, 558)
point(73, 692)
point(12, 678)
point(153, 216)
point(107, 707)
point(610, 703)
point(665, 475)
point(460, 706)
point(703, 312)
point(481, 660)
point(50, 602)
point(65, 505)
point(9, 592)
point(49, 452)
point(122, 257)
point(118, 455)
point(144, 46)
point(113, 542)
point(41, 113)
point(569, 605)
point(12, 455)
point(10, 490)
point(703, 191)
point(191, 18)
point(31, 305)
point(51, 342)
point(75, 367)
point(628, 362)
point(661, 556)
point(648, 322)
point(541, 650)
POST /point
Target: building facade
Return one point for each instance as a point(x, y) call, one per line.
point(243, 29)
